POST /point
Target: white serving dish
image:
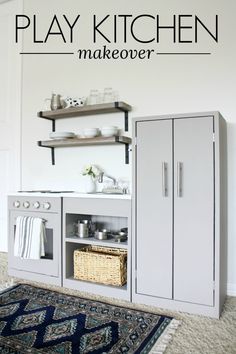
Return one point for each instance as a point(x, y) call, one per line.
point(90, 132)
point(61, 135)
point(109, 131)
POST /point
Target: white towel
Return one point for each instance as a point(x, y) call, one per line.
point(29, 237)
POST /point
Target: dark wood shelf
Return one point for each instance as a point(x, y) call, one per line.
point(85, 110)
point(99, 140)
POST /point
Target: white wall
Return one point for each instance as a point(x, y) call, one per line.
point(166, 84)
point(10, 123)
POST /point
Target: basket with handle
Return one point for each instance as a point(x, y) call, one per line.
point(101, 265)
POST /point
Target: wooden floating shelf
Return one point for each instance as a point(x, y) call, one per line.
point(100, 140)
point(85, 110)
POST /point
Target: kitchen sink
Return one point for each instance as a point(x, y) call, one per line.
point(110, 192)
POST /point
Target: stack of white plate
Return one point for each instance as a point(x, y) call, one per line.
point(61, 135)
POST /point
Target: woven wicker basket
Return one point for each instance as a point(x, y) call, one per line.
point(101, 265)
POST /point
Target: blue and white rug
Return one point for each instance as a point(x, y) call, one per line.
point(35, 320)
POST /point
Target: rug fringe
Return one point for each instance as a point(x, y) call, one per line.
point(6, 285)
point(162, 342)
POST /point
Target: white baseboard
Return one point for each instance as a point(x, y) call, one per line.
point(231, 289)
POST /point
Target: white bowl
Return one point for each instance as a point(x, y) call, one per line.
point(61, 135)
point(109, 131)
point(90, 132)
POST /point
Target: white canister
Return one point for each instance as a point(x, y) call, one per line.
point(83, 231)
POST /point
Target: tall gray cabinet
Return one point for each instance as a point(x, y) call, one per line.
point(179, 212)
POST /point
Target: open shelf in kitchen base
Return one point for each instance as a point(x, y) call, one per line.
point(112, 214)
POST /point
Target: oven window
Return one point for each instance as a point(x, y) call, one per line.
point(48, 244)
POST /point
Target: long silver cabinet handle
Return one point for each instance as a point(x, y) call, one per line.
point(164, 179)
point(179, 179)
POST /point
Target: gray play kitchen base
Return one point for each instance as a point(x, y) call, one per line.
point(177, 252)
point(111, 212)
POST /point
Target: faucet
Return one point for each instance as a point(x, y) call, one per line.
point(102, 175)
point(115, 189)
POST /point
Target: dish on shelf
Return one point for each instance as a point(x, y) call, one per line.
point(109, 131)
point(61, 135)
point(90, 132)
point(119, 236)
point(120, 239)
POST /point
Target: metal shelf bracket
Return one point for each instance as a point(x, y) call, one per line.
point(52, 151)
point(40, 114)
point(126, 117)
point(127, 154)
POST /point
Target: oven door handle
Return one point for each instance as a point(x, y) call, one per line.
point(44, 220)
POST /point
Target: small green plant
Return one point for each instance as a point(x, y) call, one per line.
point(91, 170)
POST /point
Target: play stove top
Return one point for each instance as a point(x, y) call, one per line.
point(45, 191)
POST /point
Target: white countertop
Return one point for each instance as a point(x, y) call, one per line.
point(96, 195)
point(72, 195)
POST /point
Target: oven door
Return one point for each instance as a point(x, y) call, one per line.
point(48, 265)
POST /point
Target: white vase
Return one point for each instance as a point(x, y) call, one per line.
point(90, 186)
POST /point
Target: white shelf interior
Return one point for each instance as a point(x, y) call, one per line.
point(83, 282)
point(94, 241)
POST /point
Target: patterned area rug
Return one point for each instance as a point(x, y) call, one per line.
point(34, 320)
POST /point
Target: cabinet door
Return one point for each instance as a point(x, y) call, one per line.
point(154, 208)
point(193, 210)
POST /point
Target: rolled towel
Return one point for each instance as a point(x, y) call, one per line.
point(30, 236)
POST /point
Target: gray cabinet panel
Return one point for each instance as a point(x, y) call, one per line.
point(193, 210)
point(154, 208)
point(198, 218)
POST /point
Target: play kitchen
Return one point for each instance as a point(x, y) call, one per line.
point(176, 257)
